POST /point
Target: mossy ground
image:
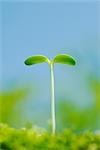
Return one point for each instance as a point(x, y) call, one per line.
point(34, 139)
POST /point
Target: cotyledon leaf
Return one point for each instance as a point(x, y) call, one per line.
point(64, 59)
point(36, 59)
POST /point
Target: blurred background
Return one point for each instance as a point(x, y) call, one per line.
point(50, 28)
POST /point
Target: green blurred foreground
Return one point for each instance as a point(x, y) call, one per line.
point(68, 114)
point(10, 105)
point(37, 139)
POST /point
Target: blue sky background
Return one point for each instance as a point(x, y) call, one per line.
point(50, 28)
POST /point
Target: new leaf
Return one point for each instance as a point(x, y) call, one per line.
point(64, 59)
point(36, 59)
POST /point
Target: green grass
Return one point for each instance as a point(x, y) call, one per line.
point(38, 139)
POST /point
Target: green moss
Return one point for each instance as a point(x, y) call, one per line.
point(32, 139)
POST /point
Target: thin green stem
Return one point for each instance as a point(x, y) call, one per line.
point(52, 100)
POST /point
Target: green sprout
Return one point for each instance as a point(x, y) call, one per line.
point(62, 59)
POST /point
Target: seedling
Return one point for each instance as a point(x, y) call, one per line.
point(62, 59)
